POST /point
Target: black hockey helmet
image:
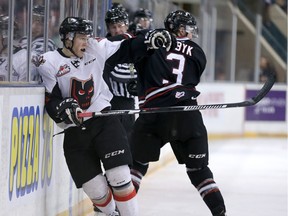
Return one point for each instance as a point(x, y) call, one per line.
point(75, 25)
point(139, 16)
point(116, 15)
point(118, 5)
point(143, 13)
point(39, 10)
point(179, 18)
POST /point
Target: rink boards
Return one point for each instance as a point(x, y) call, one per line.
point(34, 179)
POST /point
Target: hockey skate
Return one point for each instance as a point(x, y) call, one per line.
point(219, 211)
point(115, 213)
point(99, 213)
point(222, 214)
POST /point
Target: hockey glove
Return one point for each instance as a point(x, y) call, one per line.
point(67, 112)
point(159, 38)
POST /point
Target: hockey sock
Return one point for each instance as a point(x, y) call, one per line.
point(124, 192)
point(138, 170)
point(125, 198)
point(106, 204)
point(203, 181)
point(100, 194)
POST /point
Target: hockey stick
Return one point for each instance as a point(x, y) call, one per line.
point(250, 102)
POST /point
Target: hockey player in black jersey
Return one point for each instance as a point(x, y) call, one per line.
point(73, 80)
point(170, 79)
point(123, 76)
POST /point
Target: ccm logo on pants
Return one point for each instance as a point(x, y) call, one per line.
point(112, 154)
point(197, 156)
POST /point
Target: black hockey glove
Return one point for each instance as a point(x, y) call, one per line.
point(132, 87)
point(159, 38)
point(67, 112)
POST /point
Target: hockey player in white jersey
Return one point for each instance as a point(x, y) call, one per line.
point(19, 60)
point(73, 80)
point(18, 72)
point(38, 41)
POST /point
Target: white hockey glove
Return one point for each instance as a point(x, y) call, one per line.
point(67, 111)
point(159, 38)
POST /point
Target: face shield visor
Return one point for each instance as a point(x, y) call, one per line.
point(193, 30)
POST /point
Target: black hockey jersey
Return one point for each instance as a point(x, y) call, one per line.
point(170, 77)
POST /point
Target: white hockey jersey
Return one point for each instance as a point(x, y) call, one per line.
point(80, 78)
point(19, 69)
point(19, 59)
point(37, 48)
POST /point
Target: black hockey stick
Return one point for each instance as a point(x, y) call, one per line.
point(250, 102)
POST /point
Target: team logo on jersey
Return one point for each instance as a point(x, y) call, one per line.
point(179, 94)
point(64, 69)
point(82, 91)
point(38, 60)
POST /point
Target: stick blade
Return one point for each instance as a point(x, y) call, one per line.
point(265, 89)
